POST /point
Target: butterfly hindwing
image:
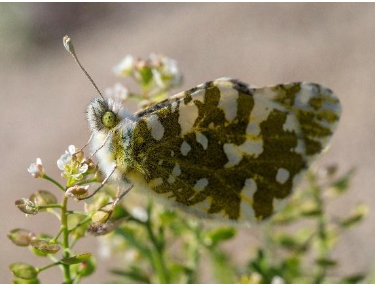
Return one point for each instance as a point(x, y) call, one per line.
point(227, 151)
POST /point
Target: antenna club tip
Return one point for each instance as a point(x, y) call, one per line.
point(68, 44)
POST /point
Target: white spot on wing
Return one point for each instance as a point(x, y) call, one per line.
point(155, 182)
point(187, 117)
point(171, 179)
point(249, 188)
point(233, 154)
point(156, 128)
point(201, 184)
point(246, 211)
point(253, 128)
point(304, 95)
point(252, 147)
point(282, 175)
point(202, 139)
point(176, 170)
point(291, 124)
point(174, 106)
point(228, 102)
point(185, 148)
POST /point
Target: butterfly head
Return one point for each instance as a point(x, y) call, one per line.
point(104, 114)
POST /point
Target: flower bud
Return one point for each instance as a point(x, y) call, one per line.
point(26, 206)
point(36, 169)
point(102, 215)
point(20, 237)
point(77, 191)
point(92, 167)
point(78, 155)
point(23, 270)
point(44, 246)
point(43, 198)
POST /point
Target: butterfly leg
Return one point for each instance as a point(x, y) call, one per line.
point(82, 148)
point(100, 147)
point(119, 197)
point(101, 185)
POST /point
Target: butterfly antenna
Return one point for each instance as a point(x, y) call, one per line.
point(70, 48)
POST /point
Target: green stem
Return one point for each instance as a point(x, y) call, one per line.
point(58, 234)
point(92, 180)
point(193, 257)
point(81, 223)
point(321, 229)
point(157, 256)
point(64, 226)
point(40, 269)
point(50, 206)
point(76, 213)
point(45, 176)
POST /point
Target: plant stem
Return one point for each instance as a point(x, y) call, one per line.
point(157, 256)
point(40, 269)
point(321, 229)
point(193, 256)
point(92, 180)
point(64, 227)
point(45, 176)
point(58, 234)
point(84, 221)
point(50, 206)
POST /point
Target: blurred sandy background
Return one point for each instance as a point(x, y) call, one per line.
point(44, 94)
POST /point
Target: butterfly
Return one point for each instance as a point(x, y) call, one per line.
point(221, 150)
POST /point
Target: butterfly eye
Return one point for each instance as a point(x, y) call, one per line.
point(109, 119)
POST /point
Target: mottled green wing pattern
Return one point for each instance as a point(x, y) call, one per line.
point(224, 150)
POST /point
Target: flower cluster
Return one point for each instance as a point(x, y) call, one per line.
point(156, 76)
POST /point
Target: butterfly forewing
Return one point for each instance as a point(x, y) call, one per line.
point(224, 150)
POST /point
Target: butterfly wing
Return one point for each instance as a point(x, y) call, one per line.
point(225, 150)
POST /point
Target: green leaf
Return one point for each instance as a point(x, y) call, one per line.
point(24, 271)
point(353, 279)
point(342, 183)
point(134, 273)
point(219, 235)
point(326, 262)
point(356, 216)
point(76, 259)
point(291, 242)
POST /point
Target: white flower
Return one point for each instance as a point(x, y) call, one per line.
point(118, 92)
point(139, 213)
point(66, 157)
point(125, 66)
point(169, 66)
point(277, 280)
point(36, 169)
point(165, 70)
point(157, 78)
point(81, 170)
